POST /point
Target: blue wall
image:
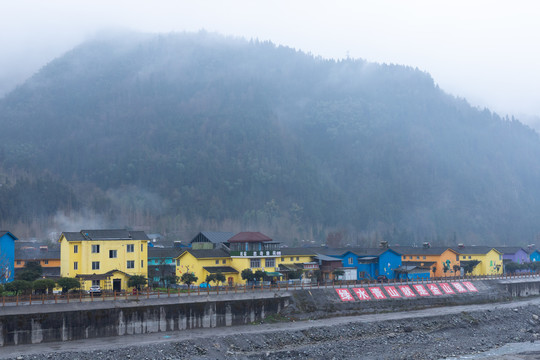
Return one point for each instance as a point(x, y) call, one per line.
point(388, 261)
point(7, 258)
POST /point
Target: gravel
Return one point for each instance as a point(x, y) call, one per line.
point(417, 338)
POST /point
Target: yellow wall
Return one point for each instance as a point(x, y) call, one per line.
point(488, 262)
point(84, 258)
point(447, 255)
point(188, 263)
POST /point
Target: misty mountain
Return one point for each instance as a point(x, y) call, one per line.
point(187, 132)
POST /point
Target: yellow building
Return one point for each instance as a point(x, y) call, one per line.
point(245, 250)
point(107, 258)
point(480, 260)
point(440, 261)
point(203, 262)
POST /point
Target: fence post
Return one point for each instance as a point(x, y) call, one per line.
point(80, 296)
point(17, 299)
point(55, 299)
point(68, 297)
point(30, 299)
point(148, 292)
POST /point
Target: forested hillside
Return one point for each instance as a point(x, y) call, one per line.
point(181, 133)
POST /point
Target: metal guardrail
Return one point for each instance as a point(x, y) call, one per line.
point(27, 300)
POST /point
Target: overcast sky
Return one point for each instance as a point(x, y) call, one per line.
point(485, 51)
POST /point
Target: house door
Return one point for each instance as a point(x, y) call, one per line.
point(230, 281)
point(117, 285)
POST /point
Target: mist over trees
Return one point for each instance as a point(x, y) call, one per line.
point(181, 133)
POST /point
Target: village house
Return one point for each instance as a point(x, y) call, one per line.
point(7, 256)
point(107, 258)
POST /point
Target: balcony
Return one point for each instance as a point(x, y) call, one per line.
point(256, 253)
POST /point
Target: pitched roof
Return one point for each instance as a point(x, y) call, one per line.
point(474, 250)
point(411, 250)
point(168, 252)
point(215, 237)
point(249, 237)
point(4, 232)
point(35, 254)
point(115, 234)
point(507, 250)
point(297, 251)
point(206, 253)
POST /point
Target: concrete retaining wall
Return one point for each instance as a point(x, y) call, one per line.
point(82, 321)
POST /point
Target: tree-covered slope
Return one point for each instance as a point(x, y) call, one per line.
point(209, 131)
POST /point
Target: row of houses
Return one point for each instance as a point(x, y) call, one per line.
point(108, 258)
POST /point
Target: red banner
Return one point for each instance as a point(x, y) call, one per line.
point(392, 292)
point(434, 289)
point(460, 288)
point(362, 293)
point(421, 290)
point(377, 293)
point(447, 288)
point(470, 286)
point(344, 295)
point(407, 291)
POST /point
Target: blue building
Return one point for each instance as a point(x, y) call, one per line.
point(162, 265)
point(7, 256)
point(534, 255)
point(369, 262)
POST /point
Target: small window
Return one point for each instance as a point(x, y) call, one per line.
point(95, 249)
point(292, 258)
point(469, 257)
point(177, 262)
point(297, 258)
point(142, 247)
point(142, 263)
point(75, 249)
point(270, 262)
point(464, 257)
point(224, 261)
point(46, 262)
point(113, 254)
point(95, 265)
point(18, 262)
point(255, 263)
point(350, 261)
point(75, 265)
point(130, 248)
point(282, 259)
point(410, 257)
point(417, 257)
point(423, 257)
point(130, 264)
point(95, 282)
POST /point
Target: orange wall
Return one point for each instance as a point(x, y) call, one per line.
point(51, 263)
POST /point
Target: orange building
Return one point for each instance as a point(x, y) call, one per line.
point(48, 259)
point(440, 261)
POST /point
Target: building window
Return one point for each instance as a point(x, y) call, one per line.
point(142, 247)
point(255, 263)
point(112, 254)
point(282, 259)
point(217, 262)
point(18, 262)
point(270, 262)
point(417, 257)
point(142, 263)
point(177, 262)
point(469, 257)
point(464, 257)
point(297, 258)
point(46, 262)
point(75, 265)
point(350, 261)
point(95, 249)
point(410, 257)
point(130, 264)
point(75, 249)
point(130, 248)
point(224, 261)
point(423, 257)
point(95, 282)
point(95, 265)
point(292, 258)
